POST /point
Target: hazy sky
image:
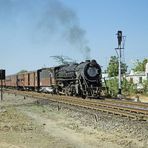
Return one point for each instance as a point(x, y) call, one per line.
point(33, 30)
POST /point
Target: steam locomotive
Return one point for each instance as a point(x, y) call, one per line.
point(82, 79)
point(73, 79)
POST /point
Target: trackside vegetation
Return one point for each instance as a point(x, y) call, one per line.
point(128, 88)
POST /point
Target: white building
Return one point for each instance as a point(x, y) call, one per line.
point(138, 77)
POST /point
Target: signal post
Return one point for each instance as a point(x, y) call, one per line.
point(2, 77)
point(119, 53)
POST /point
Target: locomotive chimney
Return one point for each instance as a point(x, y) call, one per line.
point(87, 60)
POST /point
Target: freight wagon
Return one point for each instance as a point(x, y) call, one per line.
point(40, 80)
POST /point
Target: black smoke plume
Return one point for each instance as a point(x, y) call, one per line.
point(50, 16)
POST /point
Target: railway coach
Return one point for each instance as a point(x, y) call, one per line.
point(40, 80)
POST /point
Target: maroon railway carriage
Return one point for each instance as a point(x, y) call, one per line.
point(21, 80)
point(32, 80)
point(40, 80)
point(2, 83)
point(11, 81)
point(27, 80)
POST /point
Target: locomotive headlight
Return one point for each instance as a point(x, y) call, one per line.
point(92, 71)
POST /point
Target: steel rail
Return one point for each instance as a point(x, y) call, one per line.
point(145, 105)
point(140, 114)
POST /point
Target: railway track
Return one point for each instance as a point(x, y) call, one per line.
point(127, 103)
point(134, 110)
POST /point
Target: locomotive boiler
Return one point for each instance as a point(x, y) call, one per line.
point(82, 79)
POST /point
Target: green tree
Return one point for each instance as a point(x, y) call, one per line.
point(139, 66)
point(127, 87)
point(112, 68)
point(145, 84)
point(112, 84)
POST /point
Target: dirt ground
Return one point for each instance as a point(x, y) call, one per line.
point(142, 98)
point(29, 123)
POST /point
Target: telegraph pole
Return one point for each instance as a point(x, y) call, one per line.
point(118, 50)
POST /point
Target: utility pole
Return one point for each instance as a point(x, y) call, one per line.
point(118, 50)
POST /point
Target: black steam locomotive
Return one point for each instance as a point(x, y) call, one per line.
point(82, 79)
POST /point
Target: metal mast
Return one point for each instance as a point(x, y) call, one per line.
point(119, 37)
